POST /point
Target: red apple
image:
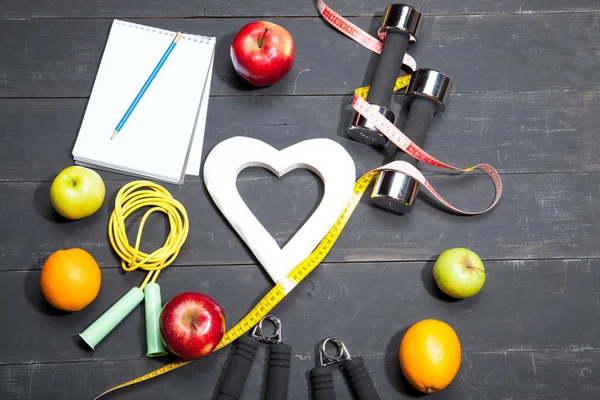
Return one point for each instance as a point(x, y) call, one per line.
point(262, 53)
point(192, 325)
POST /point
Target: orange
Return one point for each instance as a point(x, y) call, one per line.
point(430, 355)
point(70, 279)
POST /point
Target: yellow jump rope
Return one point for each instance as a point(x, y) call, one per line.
point(132, 197)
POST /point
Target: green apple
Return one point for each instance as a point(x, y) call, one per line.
point(459, 272)
point(77, 192)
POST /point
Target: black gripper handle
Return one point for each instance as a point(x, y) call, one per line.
point(238, 368)
point(359, 378)
point(418, 121)
point(321, 381)
point(388, 69)
point(279, 371)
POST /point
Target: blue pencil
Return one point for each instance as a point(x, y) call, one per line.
point(146, 85)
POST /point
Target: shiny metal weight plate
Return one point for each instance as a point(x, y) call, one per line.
point(401, 18)
point(362, 130)
point(431, 85)
point(394, 191)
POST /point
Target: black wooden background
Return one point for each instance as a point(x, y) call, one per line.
point(526, 100)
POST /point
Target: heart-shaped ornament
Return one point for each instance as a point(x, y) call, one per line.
point(326, 158)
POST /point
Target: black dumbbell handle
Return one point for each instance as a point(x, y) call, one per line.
point(279, 371)
point(321, 382)
point(388, 69)
point(417, 125)
point(359, 378)
point(238, 368)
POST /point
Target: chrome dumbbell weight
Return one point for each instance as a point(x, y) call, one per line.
point(427, 94)
point(400, 26)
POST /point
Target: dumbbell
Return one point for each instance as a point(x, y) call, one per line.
point(427, 94)
point(400, 25)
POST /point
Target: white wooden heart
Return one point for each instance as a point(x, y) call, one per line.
point(326, 158)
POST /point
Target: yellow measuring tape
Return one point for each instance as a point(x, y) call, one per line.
point(281, 289)
point(401, 83)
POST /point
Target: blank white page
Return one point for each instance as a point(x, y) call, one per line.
point(155, 139)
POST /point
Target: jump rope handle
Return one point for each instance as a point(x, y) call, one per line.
point(356, 372)
point(279, 371)
point(321, 382)
point(238, 368)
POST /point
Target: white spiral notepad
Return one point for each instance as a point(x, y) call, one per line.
point(163, 137)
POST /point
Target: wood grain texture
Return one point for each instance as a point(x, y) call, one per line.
point(539, 216)
point(521, 53)
point(256, 8)
point(525, 100)
point(524, 306)
point(514, 132)
point(527, 375)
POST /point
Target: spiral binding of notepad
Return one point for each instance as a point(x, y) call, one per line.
point(186, 36)
point(176, 104)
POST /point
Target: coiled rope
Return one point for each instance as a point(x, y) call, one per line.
point(132, 197)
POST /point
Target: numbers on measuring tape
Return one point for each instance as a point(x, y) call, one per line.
point(401, 83)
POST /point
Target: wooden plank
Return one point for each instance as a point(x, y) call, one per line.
point(38, 138)
point(524, 305)
point(271, 8)
point(504, 375)
point(539, 216)
point(515, 132)
point(59, 58)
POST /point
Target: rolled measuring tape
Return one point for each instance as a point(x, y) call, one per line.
point(302, 270)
